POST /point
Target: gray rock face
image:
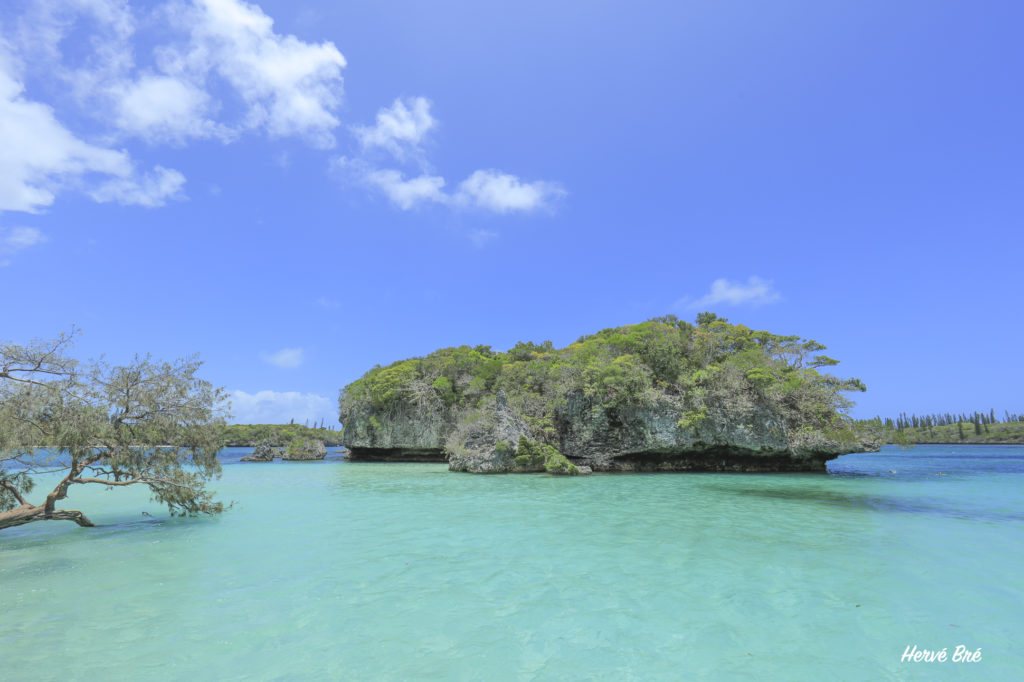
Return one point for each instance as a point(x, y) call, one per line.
point(264, 452)
point(473, 443)
point(650, 438)
point(312, 450)
point(644, 438)
point(407, 434)
point(747, 437)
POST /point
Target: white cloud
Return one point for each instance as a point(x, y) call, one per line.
point(218, 70)
point(756, 291)
point(286, 358)
point(400, 128)
point(284, 86)
point(151, 190)
point(407, 193)
point(15, 239)
point(110, 26)
point(503, 193)
point(39, 155)
point(280, 407)
point(486, 190)
point(290, 87)
point(164, 109)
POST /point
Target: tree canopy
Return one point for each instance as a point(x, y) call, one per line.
point(701, 367)
point(148, 422)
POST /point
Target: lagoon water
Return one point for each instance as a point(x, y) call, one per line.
point(337, 570)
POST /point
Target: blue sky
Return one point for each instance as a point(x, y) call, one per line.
point(301, 190)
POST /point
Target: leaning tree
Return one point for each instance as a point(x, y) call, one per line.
point(146, 423)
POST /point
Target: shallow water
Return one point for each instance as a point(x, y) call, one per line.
point(405, 571)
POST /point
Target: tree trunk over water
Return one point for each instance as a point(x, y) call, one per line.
point(28, 513)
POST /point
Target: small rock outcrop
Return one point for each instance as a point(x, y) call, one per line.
point(304, 451)
point(264, 452)
point(297, 451)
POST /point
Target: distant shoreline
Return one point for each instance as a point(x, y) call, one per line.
point(958, 442)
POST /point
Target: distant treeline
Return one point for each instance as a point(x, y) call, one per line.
point(279, 435)
point(978, 419)
point(948, 427)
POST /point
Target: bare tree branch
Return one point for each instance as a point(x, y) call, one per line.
point(13, 491)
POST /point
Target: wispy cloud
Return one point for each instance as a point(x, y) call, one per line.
point(401, 130)
point(280, 407)
point(407, 193)
point(151, 190)
point(481, 237)
point(328, 303)
point(285, 86)
point(755, 291)
point(40, 155)
point(15, 239)
point(503, 193)
point(217, 69)
point(286, 358)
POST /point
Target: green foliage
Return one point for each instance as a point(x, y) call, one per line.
point(953, 429)
point(842, 433)
point(277, 435)
point(504, 449)
point(447, 377)
point(692, 419)
point(532, 456)
point(14, 484)
point(301, 449)
point(390, 382)
point(443, 386)
point(715, 365)
point(622, 380)
point(146, 423)
point(295, 447)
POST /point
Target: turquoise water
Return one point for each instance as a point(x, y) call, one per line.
point(405, 571)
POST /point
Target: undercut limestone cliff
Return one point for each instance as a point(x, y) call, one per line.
point(408, 433)
point(610, 439)
point(660, 396)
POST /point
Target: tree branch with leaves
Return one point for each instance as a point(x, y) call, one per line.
point(147, 423)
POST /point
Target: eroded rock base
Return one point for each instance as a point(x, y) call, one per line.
point(724, 460)
point(396, 455)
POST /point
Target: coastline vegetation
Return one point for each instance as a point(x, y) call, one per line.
point(277, 435)
point(945, 428)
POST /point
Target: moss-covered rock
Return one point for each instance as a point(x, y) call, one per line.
point(536, 457)
point(304, 451)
